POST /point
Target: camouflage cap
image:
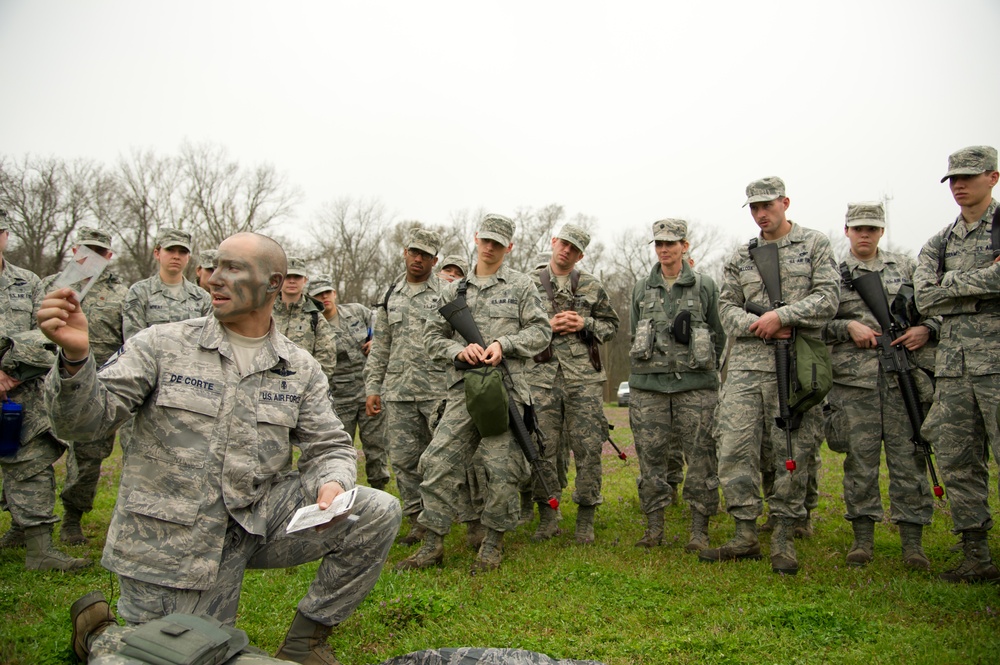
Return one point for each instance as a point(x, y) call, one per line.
point(208, 259)
point(572, 233)
point(296, 266)
point(93, 237)
point(425, 240)
point(457, 261)
point(670, 230)
point(167, 238)
point(765, 189)
point(871, 213)
point(498, 228)
point(321, 284)
point(973, 160)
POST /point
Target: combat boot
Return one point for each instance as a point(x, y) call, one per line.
point(978, 565)
point(431, 553)
point(863, 547)
point(783, 558)
point(743, 545)
point(89, 615)
point(654, 530)
point(548, 523)
point(70, 531)
point(475, 534)
point(305, 643)
point(415, 534)
point(699, 532)
point(527, 509)
point(14, 538)
point(804, 527)
point(585, 524)
point(40, 555)
point(490, 552)
point(911, 536)
point(768, 525)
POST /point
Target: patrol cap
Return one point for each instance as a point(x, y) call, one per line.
point(766, 189)
point(457, 261)
point(296, 266)
point(498, 228)
point(321, 284)
point(168, 238)
point(869, 213)
point(575, 235)
point(670, 230)
point(973, 160)
point(93, 237)
point(425, 240)
point(208, 259)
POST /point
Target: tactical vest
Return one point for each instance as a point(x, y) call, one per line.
point(655, 349)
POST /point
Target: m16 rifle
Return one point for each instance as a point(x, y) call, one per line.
point(896, 360)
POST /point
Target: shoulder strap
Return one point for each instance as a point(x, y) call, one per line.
point(752, 243)
point(995, 235)
point(574, 280)
point(463, 286)
point(315, 320)
point(385, 301)
point(845, 274)
point(543, 277)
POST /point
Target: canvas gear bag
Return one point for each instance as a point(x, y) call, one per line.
point(486, 400)
point(184, 639)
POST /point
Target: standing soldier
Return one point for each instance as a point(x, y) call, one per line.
point(866, 405)
point(678, 342)
point(206, 265)
point(352, 336)
point(298, 317)
point(567, 380)
point(400, 375)
point(958, 278)
point(453, 267)
point(749, 400)
point(508, 312)
point(103, 309)
point(166, 296)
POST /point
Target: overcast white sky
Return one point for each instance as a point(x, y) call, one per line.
point(627, 112)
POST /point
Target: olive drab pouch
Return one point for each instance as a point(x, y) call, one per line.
point(702, 349)
point(184, 639)
point(545, 356)
point(813, 374)
point(642, 344)
point(486, 400)
point(835, 428)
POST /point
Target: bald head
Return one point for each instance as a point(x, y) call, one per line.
point(250, 270)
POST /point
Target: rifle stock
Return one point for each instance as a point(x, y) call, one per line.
point(896, 359)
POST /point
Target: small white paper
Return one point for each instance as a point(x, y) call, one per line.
point(81, 272)
point(311, 516)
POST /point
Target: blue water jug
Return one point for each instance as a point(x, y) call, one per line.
point(11, 417)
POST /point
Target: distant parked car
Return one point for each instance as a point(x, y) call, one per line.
point(623, 393)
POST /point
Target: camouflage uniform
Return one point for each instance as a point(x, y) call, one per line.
point(303, 323)
point(748, 401)
point(350, 331)
point(19, 289)
point(674, 389)
point(866, 408)
point(410, 383)
point(149, 301)
point(208, 483)
point(507, 309)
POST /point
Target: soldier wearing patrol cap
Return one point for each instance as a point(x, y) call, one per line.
point(866, 409)
point(749, 400)
point(677, 347)
point(453, 267)
point(508, 312)
point(206, 264)
point(566, 382)
point(298, 317)
point(352, 335)
point(958, 278)
point(103, 308)
point(167, 296)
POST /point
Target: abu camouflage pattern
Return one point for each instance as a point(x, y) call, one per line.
point(350, 332)
point(149, 302)
point(303, 323)
point(19, 289)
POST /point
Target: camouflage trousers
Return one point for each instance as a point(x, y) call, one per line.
point(767, 464)
point(573, 414)
point(371, 432)
point(744, 420)
point(105, 648)
point(409, 428)
point(445, 466)
point(83, 471)
point(351, 551)
point(868, 420)
point(29, 481)
point(669, 428)
point(959, 425)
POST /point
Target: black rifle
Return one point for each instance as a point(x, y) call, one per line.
point(458, 315)
point(896, 359)
point(622, 456)
point(765, 257)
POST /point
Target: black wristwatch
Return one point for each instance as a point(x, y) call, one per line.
point(72, 363)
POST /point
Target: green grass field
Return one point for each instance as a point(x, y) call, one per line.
point(609, 601)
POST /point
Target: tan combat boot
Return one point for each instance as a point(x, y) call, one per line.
point(305, 643)
point(654, 530)
point(415, 534)
point(475, 534)
point(743, 545)
point(585, 525)
point(699, 532)
point(863, 547)
point(527, 509)
point(783, 558)
point(13, 539)
point(978, 565)
point(70, 531)
point(430, 554)
point(89, 615)
point(548, 523)
point(490, 552)
point(40, 555)
point(911, 537)
point(804, 527)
